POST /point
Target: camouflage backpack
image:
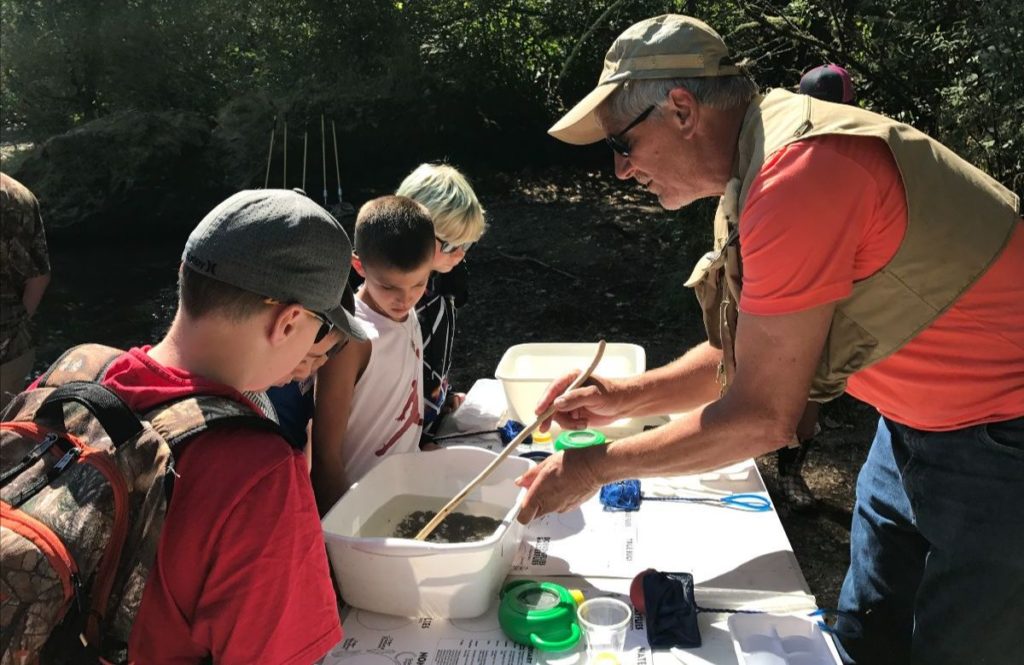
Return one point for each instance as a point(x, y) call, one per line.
point(84, 487)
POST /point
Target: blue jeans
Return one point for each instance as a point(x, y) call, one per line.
point(937, 549)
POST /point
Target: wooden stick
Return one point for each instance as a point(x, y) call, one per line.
point(461, 496)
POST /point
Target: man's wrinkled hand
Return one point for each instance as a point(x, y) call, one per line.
point(560, 483)
point(593, 404)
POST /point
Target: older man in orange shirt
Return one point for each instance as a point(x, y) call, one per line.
point(852, 254)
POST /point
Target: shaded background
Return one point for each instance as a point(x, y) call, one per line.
point(146, 112)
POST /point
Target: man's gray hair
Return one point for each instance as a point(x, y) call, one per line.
point(717, 92)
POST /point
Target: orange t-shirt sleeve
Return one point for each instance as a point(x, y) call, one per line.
point(818, 217)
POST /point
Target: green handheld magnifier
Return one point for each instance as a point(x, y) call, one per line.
point(579, 438)
point(540, 614)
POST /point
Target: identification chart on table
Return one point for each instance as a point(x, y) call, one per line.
point(378, 639)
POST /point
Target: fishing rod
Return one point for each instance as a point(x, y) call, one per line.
point(284, 181)
point(337, 169)
point(323, 155)
point(305, 146)
point(270, 153)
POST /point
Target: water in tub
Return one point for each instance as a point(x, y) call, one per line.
point(403, 516)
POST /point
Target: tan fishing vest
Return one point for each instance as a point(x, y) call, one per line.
point(958, 221)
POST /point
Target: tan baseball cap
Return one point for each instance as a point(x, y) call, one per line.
point(663, 47)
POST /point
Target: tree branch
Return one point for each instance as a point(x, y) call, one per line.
point(579, 43)
point(530, 259)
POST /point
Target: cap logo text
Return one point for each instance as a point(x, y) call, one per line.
point(200, 264)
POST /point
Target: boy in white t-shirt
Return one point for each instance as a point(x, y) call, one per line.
point(369, 401)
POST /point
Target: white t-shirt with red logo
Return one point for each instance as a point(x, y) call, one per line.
point(386, 416)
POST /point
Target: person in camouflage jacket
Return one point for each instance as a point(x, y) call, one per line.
point(24, 276)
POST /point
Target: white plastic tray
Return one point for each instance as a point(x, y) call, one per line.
point(772, 639)
point(526, 370)
point(406, 577)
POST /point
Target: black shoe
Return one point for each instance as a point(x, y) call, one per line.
point(794, 490)
point(796, 493)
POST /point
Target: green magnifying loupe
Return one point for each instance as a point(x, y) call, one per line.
point(579, 438)
point(540, 614)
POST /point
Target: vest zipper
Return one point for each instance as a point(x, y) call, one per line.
point(806, 125)
point(52, 548)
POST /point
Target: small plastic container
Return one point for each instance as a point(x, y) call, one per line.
point(605, 622)
point(541, 438)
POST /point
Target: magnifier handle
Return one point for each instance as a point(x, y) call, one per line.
point(557, 645)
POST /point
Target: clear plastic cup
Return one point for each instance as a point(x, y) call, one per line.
point(604, 622)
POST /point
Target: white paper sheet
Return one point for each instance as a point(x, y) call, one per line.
point(587, 541)
point(377, 639)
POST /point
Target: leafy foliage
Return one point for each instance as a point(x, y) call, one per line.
point(480, 80)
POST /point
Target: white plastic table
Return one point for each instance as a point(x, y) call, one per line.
point(739, 559)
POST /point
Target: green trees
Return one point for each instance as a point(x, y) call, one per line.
point(484, 78)
point(952, 68)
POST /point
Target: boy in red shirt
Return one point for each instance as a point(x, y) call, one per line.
point(241, 574)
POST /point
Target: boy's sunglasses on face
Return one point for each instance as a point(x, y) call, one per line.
point(336, 349)
point(451, 248)
point(617, 142)
point(326, 325)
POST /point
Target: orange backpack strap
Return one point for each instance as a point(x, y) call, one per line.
point(85, 362)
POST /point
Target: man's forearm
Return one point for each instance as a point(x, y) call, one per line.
point(708, 437)
point(33, 293)
point(682, 385)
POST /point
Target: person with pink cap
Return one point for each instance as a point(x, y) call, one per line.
point(852, 253)
point(830, 83)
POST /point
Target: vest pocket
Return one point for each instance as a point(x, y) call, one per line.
point(704, 265)
point(706, 282)
point(847, 349)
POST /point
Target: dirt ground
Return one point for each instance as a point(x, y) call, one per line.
point(580, 258)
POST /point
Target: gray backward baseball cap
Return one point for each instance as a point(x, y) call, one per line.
point(280, 244)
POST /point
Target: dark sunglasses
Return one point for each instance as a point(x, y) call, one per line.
point(451, 248)
point(326, 325)
point(336, 349)
point(617, 142)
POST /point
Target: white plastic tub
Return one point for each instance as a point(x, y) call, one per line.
point(412, 578)
point(526, 370)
